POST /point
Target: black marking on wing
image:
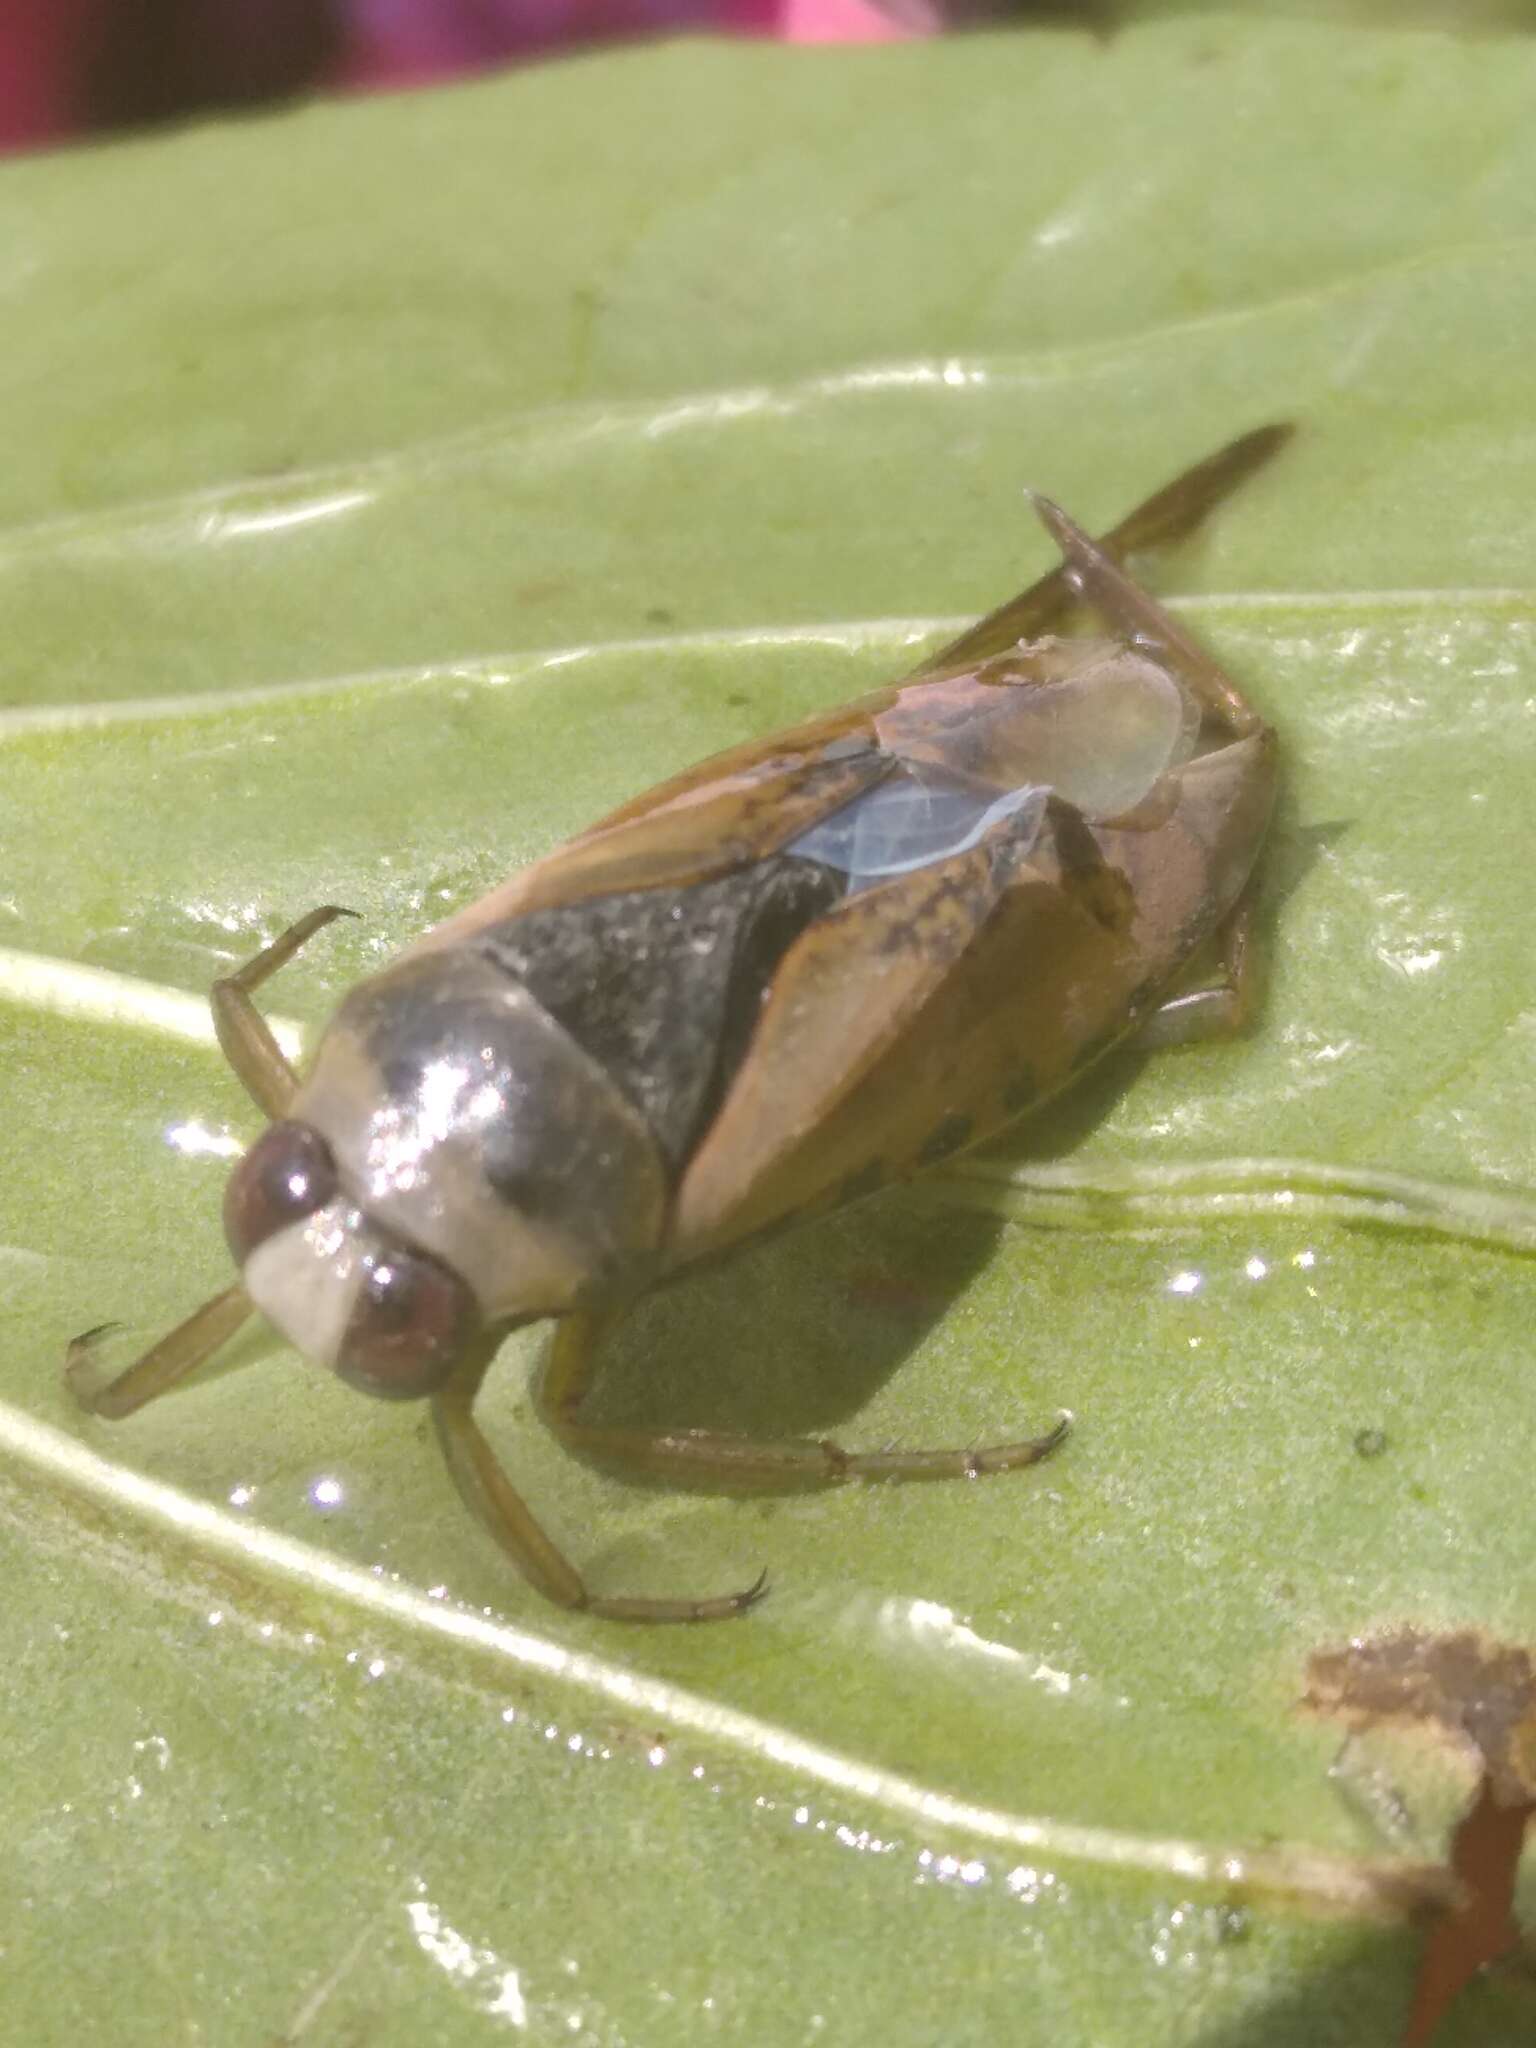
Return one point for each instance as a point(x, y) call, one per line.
point(1104, 891)
point(664, 987)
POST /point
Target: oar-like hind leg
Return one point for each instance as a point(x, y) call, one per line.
point(1166, 517)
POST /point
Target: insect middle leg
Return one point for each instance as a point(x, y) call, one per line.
point(733, 1460)
point(1168, 515)
point(490, 1495)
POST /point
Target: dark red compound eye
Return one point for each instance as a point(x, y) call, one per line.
point(410, 1325)
point(287, 1175)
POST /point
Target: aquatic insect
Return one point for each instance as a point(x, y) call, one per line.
point(815, 964)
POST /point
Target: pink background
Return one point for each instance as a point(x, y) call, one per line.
point(68, 66)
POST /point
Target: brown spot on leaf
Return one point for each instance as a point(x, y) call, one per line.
point(1482, 1695)
point(884, 1292)
point(541, 590)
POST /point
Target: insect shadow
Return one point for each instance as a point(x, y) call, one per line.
point(797, 1336)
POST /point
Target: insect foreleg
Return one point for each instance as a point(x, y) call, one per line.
point(487, 1490)
point(244, 1034)
point(707, 1455)
point(164, 1365)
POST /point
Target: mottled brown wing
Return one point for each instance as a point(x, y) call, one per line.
point(764, 759)
point(749, 801)
point(738, 807)
point(1090, 718)
point(847, 991)
point(877, 1055)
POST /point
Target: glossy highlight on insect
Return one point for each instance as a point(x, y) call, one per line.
point(816, 964)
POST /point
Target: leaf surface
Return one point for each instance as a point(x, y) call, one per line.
point(393, 487)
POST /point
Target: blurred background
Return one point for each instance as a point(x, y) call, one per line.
point(76, 67)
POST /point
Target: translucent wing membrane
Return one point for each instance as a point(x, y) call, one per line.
point(1088, 719)
point(911, 820)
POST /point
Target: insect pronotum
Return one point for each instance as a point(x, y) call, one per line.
point(813, 965)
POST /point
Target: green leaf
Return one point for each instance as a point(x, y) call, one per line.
point(388, 488)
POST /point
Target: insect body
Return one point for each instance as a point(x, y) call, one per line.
point(819, 962)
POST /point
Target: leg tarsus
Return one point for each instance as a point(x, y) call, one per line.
point(723, 1607)
point(177, 1355)
point(791, 1463)
point(700, 1454)
point(244, 1034)
point(492, 1497)
point(1223, 1010)
point(979, 1463)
